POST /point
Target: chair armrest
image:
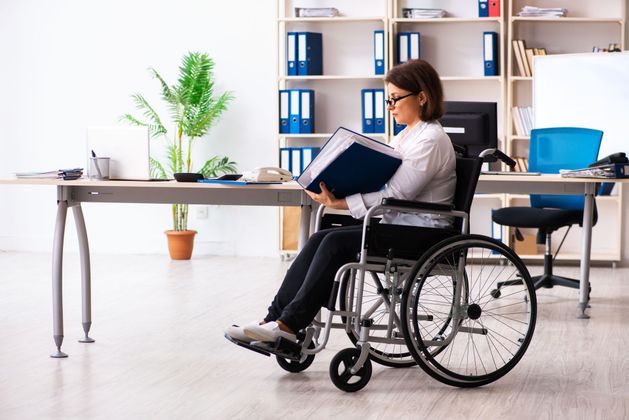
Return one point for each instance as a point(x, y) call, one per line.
point(417, 204)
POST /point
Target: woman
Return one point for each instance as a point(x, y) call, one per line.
point(427, 173)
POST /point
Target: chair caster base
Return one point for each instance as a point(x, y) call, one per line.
point(86, 339)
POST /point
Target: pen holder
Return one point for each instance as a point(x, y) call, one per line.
point(98, 168)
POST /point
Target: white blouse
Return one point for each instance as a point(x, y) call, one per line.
point(427, 173)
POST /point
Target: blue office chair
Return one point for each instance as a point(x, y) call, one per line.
point(552, 149)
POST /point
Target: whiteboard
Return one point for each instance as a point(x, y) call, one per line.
point(584, 90)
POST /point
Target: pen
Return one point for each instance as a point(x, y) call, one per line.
point(100, 175)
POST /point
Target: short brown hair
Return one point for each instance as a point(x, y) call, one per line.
point(419, 76)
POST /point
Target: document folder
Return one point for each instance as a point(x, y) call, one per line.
point(490, 51)
point(483, 8)
point(367, 103)
point(295, 108)
point(413, 48)
point(295, 161)
point(291, 53)
point(397, 127)
point(306, 125)
point(494, 8)
point(309, 54)
point(402, 47)
point(350, 163)
point(284, 115)
point(285, 156)
point(307, 156)
point(378, 110)
point(378, 51)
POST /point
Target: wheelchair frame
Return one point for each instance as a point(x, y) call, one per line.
point(356, 362)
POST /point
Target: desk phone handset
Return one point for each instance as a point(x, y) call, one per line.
point(619, 157)
point(268, 174)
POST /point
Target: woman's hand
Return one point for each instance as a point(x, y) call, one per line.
point(328, 199)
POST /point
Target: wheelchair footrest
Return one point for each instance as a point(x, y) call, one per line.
point(280, 347)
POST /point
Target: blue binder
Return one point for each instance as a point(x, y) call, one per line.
point(357, 169)
point(490, 52)
point(291, 53)
point(397, 127)
point(309, 54)
point(306, 125)
point(378, 110)
point(307, 155)
point(285, 156)
point(378, 51)
point(295, 161)
point(402, 47)
point(483, 8)
point(294, 113)
point(413, 45)
point(284, 111)
point(367, 111)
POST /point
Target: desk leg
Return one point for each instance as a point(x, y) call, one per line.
point(57, 270)
point(86, 287)
point(304, 225)
point(586, 248)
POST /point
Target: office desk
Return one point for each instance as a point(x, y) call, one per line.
point(555, 184)
point(73, 193)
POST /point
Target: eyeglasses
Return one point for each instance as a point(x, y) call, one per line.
point(394, 101)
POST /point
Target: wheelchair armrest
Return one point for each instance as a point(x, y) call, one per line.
point(417, 204)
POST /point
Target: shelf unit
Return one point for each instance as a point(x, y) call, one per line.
point(586, 25)
point(453, 45)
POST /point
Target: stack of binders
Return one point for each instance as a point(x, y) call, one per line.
point(304, 53)
point(297, 111)
point(373, 110)
point(490, 52)
point(397, 127)
point(296, 159)
point(488, 8)
point(408, 47)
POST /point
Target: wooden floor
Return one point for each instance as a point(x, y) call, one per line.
point(160, 351)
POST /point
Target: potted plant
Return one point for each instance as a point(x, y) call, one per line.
point(194, 108)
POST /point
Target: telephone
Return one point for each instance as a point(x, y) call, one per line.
point(268, 174)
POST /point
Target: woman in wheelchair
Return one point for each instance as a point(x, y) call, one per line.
point(428, 174)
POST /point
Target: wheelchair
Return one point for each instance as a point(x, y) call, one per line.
point(426, 303)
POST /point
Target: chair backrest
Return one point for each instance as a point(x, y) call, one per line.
point(467, 173)
point(552, 149)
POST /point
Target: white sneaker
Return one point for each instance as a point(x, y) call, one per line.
point(238, 333)
point(267, 332)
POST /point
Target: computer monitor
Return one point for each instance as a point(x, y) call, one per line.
point(471, 125)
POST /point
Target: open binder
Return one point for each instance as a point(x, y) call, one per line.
point(350, 163)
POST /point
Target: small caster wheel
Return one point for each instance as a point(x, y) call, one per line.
point(295, 366)
point(495, 293)
point(340, 373)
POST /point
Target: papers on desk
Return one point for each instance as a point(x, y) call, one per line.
point(517, 173)
point(66, 174)
point(610, 171)
point(237, 182)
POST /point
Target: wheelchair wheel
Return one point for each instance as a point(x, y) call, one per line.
point(455, 329)
point(340, 373)
point(392, 354)
point(296, 366)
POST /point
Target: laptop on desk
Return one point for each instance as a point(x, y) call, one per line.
point(128, 148)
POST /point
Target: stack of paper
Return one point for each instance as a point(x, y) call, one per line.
point(419, 13)
point(67, 174)
point(612, 170)
point(316, 12)
point(532, 11)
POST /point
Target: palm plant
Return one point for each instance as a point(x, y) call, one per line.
point(193, 109)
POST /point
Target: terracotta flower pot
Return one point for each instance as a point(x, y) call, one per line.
point(180, 243)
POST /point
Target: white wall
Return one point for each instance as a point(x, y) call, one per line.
point(69, 64)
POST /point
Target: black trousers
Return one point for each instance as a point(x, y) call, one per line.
point(308, 282)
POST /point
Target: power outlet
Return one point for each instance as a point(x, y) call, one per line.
point(202, 212)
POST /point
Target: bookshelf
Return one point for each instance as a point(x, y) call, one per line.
point(453, 45)
point(586, 25)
